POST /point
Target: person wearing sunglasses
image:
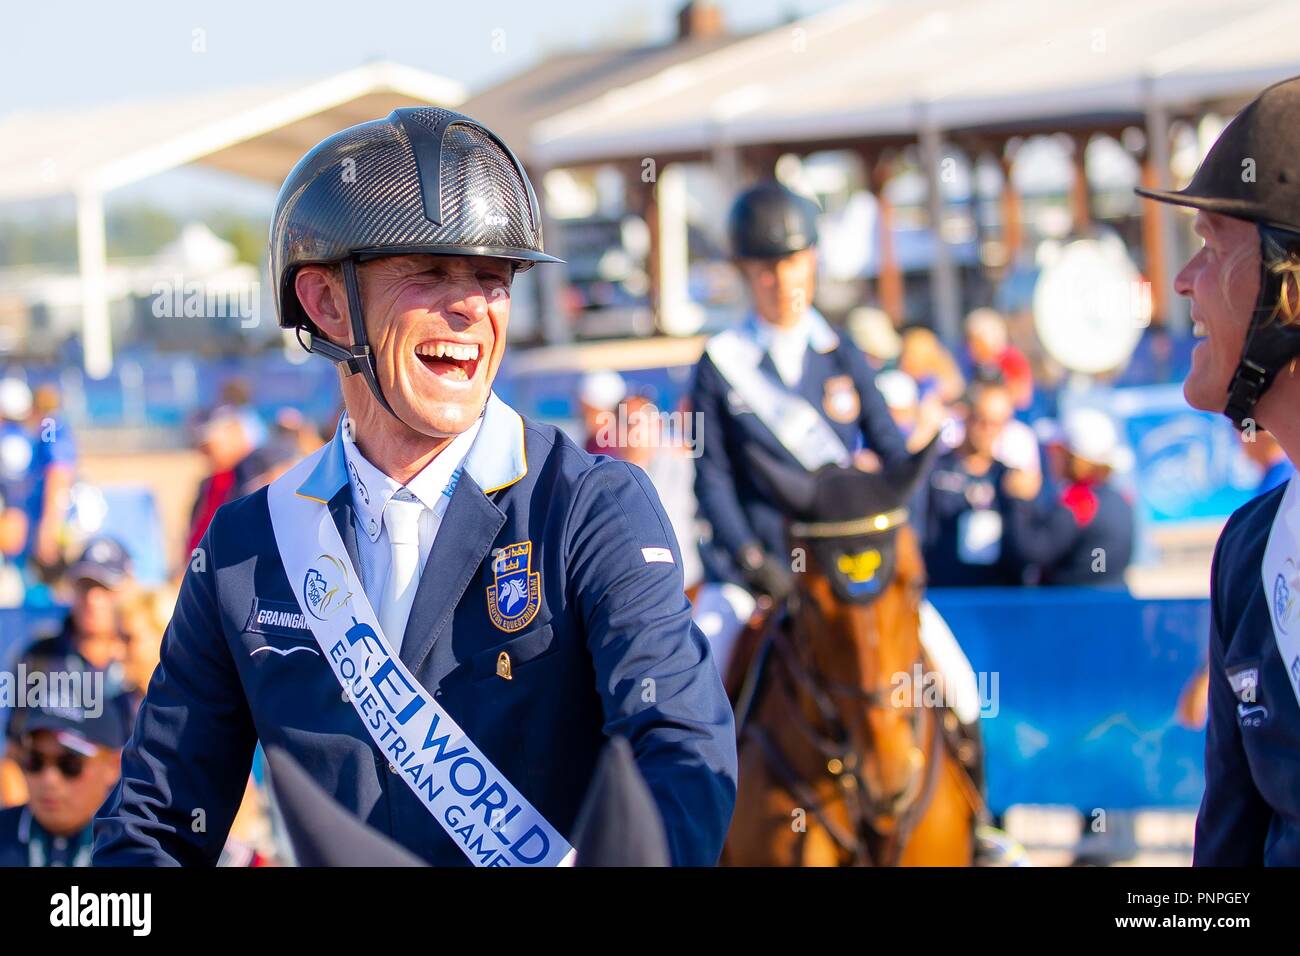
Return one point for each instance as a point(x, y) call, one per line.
point(70, 758)
point(101, 582)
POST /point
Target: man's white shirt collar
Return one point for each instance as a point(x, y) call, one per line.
point(812, 329)
point(787, 346)
point(372, 489)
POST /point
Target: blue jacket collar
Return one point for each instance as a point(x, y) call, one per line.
point(496, 460)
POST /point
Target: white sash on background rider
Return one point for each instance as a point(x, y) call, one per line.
point(478, 807)
point(791, 418)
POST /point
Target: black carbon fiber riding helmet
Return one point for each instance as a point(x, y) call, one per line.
point(769, 221)
point(421, 180)
point(1252, 172)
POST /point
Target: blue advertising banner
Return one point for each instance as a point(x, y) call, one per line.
point(1189, 464)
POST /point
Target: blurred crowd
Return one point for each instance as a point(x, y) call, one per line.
point(1014, 496)
point(62, 750)
point(38, 457)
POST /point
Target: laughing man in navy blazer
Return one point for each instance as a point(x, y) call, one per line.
point(534, 591)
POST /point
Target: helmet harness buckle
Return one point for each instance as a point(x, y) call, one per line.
point(1269, 345)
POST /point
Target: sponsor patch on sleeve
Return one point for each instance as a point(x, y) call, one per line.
point(1244, 680)
point(657, 555)
point(277, 618)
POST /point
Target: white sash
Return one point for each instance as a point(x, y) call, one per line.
point(799, 427)
point(1282, 581)
point(479, 808)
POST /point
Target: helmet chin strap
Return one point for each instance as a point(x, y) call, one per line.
point(357, 358)
point(1269, 345)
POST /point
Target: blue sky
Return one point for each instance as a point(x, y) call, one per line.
point(55, 53)
point(63, 54)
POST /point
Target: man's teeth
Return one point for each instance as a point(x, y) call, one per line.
point(1199, 330)
point(452, 350)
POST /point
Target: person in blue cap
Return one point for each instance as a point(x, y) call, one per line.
point(90, 635)
point(69, 747)
point(99, 579)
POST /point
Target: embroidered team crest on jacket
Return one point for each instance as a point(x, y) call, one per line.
point(516, 594)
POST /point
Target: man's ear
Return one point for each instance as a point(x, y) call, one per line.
point(320, 291)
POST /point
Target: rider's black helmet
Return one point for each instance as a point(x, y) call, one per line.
point(1252, 172)
point(769, 221)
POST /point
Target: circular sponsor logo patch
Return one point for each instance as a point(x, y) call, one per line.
point(841, 400)
point(325, 587)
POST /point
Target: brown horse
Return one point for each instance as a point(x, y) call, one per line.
point(840, 764)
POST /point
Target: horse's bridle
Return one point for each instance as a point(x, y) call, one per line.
point(865, 808)
point(852, 528)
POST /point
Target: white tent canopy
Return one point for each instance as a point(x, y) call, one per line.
point(257, 133)
point(889, 67)
point(919, 68)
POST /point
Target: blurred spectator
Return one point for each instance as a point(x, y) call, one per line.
point(90, 636)
point(667, 462)
point(872, 331)
point(291, 428)
point(966, 506)
point(13, 535)
point(598, 396)
point(70, 754)
point(290, 439)
point(54, 462)
point(142, 621)
point(237, 394)
point(1018, 448)
point(16, 452)
point(101, 580)
point(225, 439)
point(1017, 445)
point(918, 420)
point(15, 478)
point(990, 354)
point(1084, 536)
point(931, 365)
point(1275, 466)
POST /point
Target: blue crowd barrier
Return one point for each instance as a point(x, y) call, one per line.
point(1081, 686)
point(1087, 683)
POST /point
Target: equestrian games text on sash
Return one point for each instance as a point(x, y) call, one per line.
point(478, 807)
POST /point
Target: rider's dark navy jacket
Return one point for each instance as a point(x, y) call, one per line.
point(1250, 812)
point(612, 651)
point(835, 375)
